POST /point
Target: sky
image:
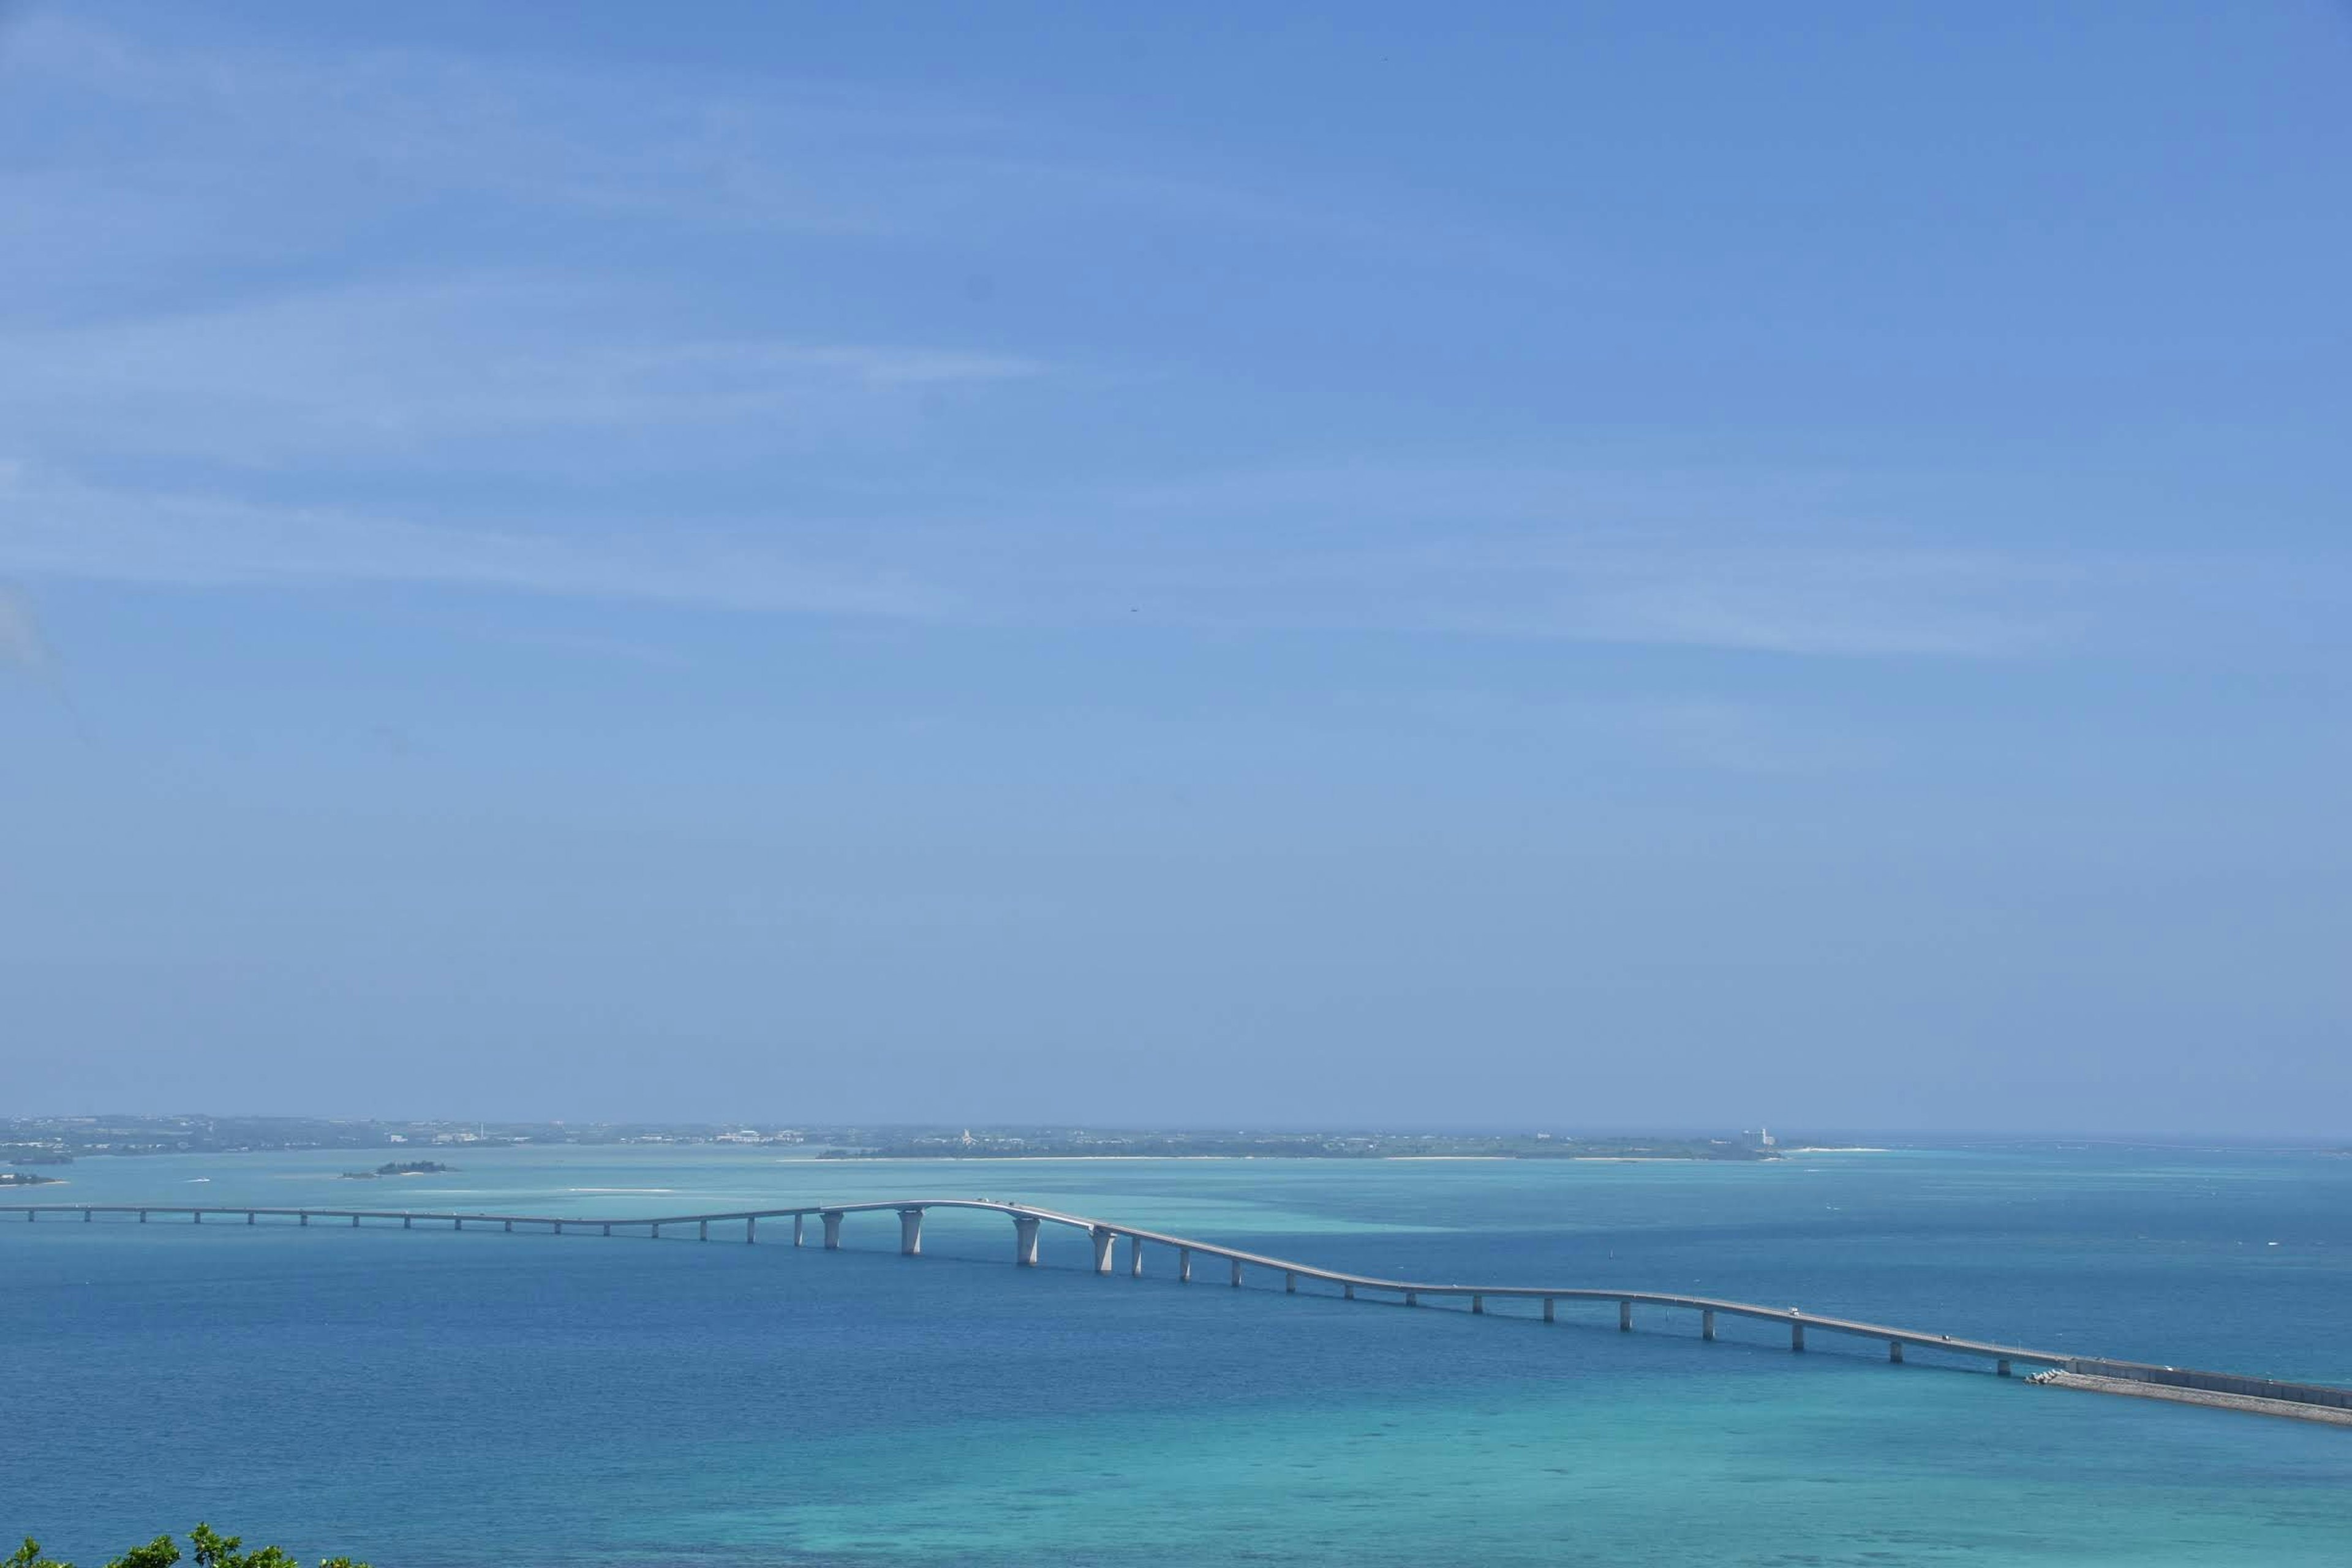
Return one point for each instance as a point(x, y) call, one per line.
point(1600, 566)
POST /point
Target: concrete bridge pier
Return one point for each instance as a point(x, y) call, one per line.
point(1706, 1323)
point(1624, 1317)
point(1103, 1240)
point(2001, 1367)
point(1796, 1336)
point(510, 1226)
point(1894, 1352)
point(31, 1215)
point(306, 1220)
point(408, 1222)
point(1347, 1292)
point(1412, 1297)
point(248, 1216)
point(1478, 1304)
point(910, 1233)
point(142, 1216)
point(1025, 1241)
point(89, 1215)
point(832, 1218)
point(355, 1221)
point(751, 1229)
point(200, 1216)
point(1183, 1265)
point(1289, 1283)
point(654, 1230)
point(1548, 1306)
point(1134, 1257)
point(608, 1230)
point(1237, 1273)
point(457, 1223)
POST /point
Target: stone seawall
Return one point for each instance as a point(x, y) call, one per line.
point(2263, 1388)
point(2289, 1409)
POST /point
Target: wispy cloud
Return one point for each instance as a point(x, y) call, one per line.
point(372, 371)
point(68, 531)
point(389, 318)
point(1598, 587)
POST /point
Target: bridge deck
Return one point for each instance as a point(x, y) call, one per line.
point(1890, 1334)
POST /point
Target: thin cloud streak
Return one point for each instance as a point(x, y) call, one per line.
point(1846, 603)
point(68, 532)
point(375, 369)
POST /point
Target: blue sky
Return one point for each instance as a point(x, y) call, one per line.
point(1588, 565)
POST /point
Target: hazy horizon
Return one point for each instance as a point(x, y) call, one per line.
point(1685, 566)
point(1663, 1128)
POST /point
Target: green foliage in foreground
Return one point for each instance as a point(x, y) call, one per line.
point(211, 1551)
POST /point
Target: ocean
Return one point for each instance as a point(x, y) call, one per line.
point(426, 1399)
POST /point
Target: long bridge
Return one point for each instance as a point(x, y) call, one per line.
point(1105, 1237)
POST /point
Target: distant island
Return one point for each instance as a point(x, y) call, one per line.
point(24, 1179)
point(56, 1139)
point(400, 1168)
point(1302, 1146)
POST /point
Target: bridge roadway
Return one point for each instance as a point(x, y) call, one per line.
point(1105, 1237)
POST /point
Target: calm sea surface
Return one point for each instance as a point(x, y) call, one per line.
point(431, 1400)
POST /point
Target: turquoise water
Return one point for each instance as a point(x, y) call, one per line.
point(433, 1399)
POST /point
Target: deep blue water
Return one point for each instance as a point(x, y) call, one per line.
point(429, 1399)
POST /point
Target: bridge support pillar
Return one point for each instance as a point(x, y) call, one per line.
point(1478, 1303)
point(800, 1228)
point(1347, 1292)
point(1894, 1352)
point(752, 1230)
point(408, 1222)
point(305, 1219)
point(1103, 1239)
point(248, 1216)
point(142, 1216)
point(457, 1222)
point(832, 1218)
point(910, 1233)
point(1184, 1266)
point(2001, 1367)
point(355, 1221)
point(1796, 1336)
point(509, 1226)
point(31, 1215)
point(1134, 1257)
point(702, 1230)
point(1025, 1241)
point(608, 1230)
point(1548, 1306)
point(1412, 1297)
point(1706, 1323)
point(200, 1216)
point(1237, 1273)
point(653, 1230)
point(1289, 1283)
point(1624, 1317)
point(89, 1215)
